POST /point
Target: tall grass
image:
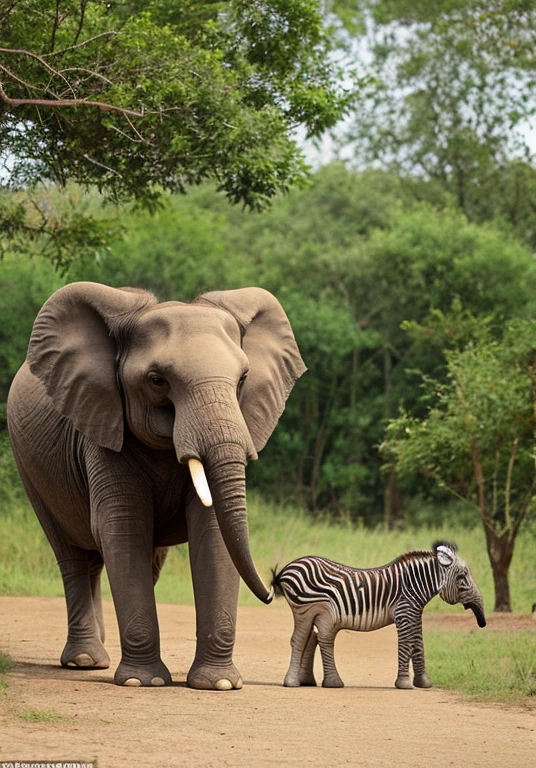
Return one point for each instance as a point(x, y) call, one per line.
point(278, 534)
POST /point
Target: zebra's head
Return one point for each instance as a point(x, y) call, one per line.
point(458, 585)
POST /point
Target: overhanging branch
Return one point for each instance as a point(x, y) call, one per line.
point(57, 103)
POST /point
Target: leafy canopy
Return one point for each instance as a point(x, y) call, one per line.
point(453, 100)
point(135, 97)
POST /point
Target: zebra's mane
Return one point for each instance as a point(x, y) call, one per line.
point(414, 554)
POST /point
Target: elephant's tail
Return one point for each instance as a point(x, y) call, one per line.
point(276, 583)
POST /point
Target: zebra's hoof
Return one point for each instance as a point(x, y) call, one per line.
point(403, 683)
point(422, 681)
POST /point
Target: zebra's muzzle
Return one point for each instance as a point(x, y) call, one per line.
point(479, 613)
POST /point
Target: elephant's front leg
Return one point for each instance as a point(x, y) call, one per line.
point(124, 533)
point(215, 583)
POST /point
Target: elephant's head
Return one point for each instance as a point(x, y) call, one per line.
point(458, 584)
point(208, 379)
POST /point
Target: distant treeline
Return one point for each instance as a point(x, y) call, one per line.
point(379, 275)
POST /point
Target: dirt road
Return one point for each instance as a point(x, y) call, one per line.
point(48, 713)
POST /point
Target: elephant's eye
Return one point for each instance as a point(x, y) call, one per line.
point(157, 381)
point(241, 382)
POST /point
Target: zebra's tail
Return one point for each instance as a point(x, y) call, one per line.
point(276, 583)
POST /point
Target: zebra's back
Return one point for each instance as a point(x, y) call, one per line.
point(361, 599)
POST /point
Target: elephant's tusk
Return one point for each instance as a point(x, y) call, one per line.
point(200, 481)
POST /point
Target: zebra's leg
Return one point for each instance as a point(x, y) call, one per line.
point(407, 620)
point(303, 628)
point(326, 640)
point(307, 675)
point(420, 678)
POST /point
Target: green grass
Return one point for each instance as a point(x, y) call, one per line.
point(43, 716)
point(493, 666)
point(278, 534)
point(490, 666)
point(5, 666)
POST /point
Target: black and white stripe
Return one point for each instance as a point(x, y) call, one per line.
point(326, 596)
point(361, 599)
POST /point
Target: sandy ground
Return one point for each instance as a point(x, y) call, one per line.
point(367, 724)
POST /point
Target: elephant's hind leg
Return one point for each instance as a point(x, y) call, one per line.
point(80, 572)
point(84, 648)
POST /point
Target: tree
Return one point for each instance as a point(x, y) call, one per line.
point(453, 101)
point(136, 98)
point(477, 438)
point(351, 258)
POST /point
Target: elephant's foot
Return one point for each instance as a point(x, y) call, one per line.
point(146, 675)
point(294, 681)
point(422, 681)
point(291, 680)
point(85, 655)
point(206, 677)
point(403, 682)
point(333, 681)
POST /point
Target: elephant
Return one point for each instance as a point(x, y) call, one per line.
point(132, 422)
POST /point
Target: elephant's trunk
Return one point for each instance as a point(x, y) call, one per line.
point(227, 477)
point(211, 427)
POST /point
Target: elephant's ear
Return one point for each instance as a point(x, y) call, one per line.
point(274, 358)
point(73, 349)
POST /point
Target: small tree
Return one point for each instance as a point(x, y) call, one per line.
point(477, 439)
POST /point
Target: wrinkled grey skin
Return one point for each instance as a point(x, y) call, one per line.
point(116, 394)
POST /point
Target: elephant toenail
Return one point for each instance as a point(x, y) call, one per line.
point(157, 681)
point(133, 682)
point(223, 685)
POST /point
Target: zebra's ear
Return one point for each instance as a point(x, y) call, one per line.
point(445, 553)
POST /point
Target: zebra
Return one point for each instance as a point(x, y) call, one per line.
point(326, 596)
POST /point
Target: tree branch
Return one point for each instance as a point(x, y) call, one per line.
point(110, 32)
point(67, 103)
point(83, 5)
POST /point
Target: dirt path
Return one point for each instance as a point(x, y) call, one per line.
point(368, 723)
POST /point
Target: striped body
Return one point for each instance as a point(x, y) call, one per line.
point(361, 599)
point(326, 596)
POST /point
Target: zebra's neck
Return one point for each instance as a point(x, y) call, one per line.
point(420, 579)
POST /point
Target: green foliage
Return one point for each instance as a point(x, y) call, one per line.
point(352, 258)
point(453, 101)
point(477, 437)
point(25, 284)
point(135, 98)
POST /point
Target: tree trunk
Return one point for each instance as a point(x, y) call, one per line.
point(389, 494)
point(500, 551)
